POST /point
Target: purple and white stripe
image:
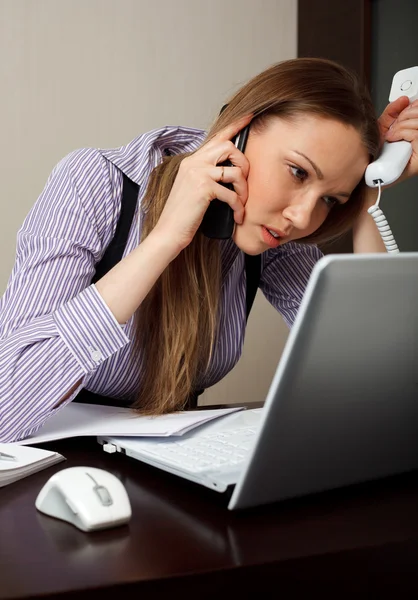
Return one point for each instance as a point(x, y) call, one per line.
point(56, 330)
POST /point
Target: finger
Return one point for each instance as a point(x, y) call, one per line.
point(410, 112)
point(236, 159)
point(224, 194)
point(219, 153)
point(232, 129)
point(234, 177)
point(407, 130)
point(392, 111)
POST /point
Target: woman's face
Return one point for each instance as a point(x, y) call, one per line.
point(299, 169)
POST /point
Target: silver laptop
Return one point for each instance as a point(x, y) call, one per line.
point(343, 404)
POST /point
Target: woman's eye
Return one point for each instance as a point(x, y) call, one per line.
point(299, 173)
point(330, 201)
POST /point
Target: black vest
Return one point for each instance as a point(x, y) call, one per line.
point(113, 255)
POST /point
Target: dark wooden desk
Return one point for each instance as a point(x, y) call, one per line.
point(358, 542)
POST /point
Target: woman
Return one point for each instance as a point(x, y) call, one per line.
point(169, 318)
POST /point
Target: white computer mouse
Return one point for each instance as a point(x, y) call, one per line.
point(86, 497)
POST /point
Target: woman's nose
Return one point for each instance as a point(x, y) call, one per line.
point(300, 211)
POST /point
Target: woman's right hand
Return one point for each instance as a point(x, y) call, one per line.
point(197, 184)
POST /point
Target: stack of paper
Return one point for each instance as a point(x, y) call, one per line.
point(18, 461)
point(78, 419)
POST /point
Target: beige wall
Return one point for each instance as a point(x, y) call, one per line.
point(80, 73)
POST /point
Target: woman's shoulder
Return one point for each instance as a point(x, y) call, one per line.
point(132, 158)
point(85, 186)
point(78, 162)
point(78, 202)
point(147, 149)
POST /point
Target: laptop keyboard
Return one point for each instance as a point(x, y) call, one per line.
point(217, 450)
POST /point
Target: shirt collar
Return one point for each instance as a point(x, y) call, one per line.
point(137, 158)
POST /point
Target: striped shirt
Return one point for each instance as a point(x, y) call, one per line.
point(56, 330)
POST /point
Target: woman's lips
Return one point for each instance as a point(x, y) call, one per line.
point(269, 239)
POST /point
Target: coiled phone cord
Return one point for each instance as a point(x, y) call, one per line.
point(382, 223)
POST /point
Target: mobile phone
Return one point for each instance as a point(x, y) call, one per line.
point(218, 221)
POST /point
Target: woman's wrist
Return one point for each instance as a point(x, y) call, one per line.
point(163, 245)
point(366, 236)
point(125, 286)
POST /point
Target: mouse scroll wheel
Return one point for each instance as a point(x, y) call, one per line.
point(103, 494)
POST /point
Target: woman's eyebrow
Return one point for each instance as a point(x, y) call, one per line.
point(319, 173)
point(317, 170)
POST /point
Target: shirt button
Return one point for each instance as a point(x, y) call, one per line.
point(96, 355)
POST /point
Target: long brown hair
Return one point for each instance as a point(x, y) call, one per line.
point(176, 324)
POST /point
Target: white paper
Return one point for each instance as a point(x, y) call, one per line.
point(23, 456)
point(77, 419)
point(27, 461)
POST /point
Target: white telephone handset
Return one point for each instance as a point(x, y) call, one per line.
point(394, 156)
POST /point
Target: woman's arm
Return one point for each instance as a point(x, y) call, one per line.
point(399, 121)
point(55, 328)
point(366, 236)
point(126, 285)
point(53, 324)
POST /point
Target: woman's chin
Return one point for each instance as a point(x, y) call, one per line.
point(248, 244)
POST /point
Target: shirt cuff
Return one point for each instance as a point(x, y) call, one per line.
point(89, 329)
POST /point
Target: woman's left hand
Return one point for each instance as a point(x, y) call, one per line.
point(399, 121)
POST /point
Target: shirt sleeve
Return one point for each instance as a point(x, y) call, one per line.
point(286, 271)
point(55, 329)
